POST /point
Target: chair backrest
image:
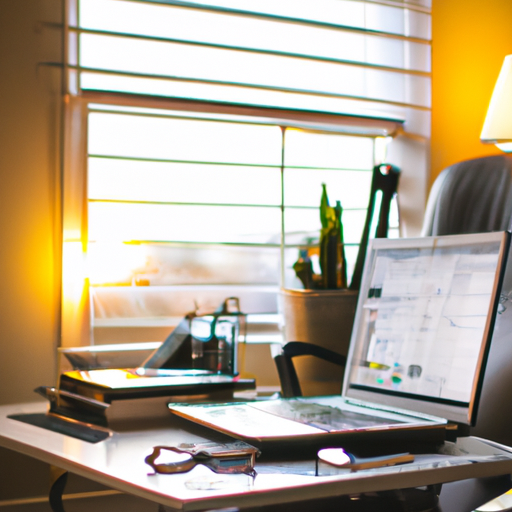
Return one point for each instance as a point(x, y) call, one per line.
point(473, 196)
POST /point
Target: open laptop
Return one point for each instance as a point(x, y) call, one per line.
point(419, 345)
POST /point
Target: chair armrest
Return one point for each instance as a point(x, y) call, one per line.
point(301, 348)
point(290, 385)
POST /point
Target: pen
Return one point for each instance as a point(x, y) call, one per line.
point(340, 458)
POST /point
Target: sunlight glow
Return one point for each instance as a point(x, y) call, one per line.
point(111, 262)
point(73, 273)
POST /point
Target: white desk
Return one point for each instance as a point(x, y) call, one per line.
point(118, 462)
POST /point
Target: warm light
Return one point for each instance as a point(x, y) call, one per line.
point(497, 127)
point(115, 262)
point(74, 295)
point(73, 272)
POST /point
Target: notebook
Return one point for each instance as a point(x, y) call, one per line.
point(417, 355)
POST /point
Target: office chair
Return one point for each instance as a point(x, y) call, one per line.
point(472, 196)
point(475, 196)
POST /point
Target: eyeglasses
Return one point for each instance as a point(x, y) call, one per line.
point(229, 458)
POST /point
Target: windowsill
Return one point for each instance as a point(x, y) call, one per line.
point(261, 328)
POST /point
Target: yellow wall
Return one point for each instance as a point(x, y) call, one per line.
point(29, 196)
point(470, 40)
point(471, 37)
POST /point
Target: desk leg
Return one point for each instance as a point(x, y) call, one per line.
point(59, 478)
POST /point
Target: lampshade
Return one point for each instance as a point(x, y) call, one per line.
point(497, 127)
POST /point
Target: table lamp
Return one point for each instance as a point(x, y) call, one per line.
point(497, 127)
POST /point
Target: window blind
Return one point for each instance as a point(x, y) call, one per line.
point(346, 58)
point(210, 127)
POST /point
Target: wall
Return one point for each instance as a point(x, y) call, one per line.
point(29, 196)
point(30, 221)
point(470, 40)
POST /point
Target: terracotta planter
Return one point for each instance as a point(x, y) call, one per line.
point(325, 318)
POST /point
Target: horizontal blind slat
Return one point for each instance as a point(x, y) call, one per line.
point(361, 50)
point(360, 15)
point(121, 222)
point(357, 117)
point(226, 61)
point(267, 97)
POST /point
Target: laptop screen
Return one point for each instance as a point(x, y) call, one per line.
point(423, 323)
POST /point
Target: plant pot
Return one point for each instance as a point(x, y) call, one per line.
point(325, 318)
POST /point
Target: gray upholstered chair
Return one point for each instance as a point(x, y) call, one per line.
point(473, 196)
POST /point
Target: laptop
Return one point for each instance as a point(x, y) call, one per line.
point(415, 367)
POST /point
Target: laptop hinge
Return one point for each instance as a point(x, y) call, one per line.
point(455, 430)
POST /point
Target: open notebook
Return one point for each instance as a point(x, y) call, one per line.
point(419, 345)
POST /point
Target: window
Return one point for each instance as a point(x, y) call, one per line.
point(205, 130)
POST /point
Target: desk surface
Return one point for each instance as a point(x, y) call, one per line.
point(118, 462)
